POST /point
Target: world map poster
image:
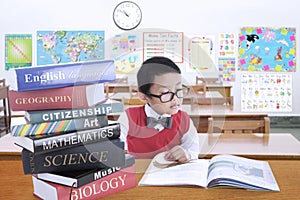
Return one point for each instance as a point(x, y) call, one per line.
point(55, 47)
point(265, 49)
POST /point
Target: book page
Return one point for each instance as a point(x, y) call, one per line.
point(241, 172)
point(171, 174)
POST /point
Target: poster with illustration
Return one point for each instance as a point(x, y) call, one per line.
point(54, 47)
point(18, 51)
point(201, 53)
point(266, 92)
point(125, 53)
point(167, 44)
point(226, 69)
point(226, 45)
point(265, 49)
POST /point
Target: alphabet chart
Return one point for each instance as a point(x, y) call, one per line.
point(266, 92)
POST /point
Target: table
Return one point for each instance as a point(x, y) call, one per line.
point(200, 114)
point(224, 89)
point(208, 97)
point(16, 185)
point(256, 146)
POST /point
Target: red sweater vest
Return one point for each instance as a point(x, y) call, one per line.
point(146, 142)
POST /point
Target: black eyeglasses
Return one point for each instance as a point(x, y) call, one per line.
point(168, 96)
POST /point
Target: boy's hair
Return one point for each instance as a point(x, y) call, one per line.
point(152, 67)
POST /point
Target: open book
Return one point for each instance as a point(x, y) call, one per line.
point(220, 171)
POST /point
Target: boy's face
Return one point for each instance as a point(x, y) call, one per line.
point(169, 82)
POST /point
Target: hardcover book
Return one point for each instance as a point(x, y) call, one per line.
point(111, 184)
point(104, 108)
point(82, 177)
point(220, 171)
point(61, 126)
point(58, 98)
point(95, 155)
point(65, 75)
point(45, 144)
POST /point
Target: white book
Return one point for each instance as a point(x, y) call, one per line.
point(220, 171)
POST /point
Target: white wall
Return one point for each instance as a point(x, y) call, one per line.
point(192, 17)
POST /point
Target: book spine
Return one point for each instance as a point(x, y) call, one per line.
point(119, 181)
point(63, 141)
point(63, 114)
point(100, 174)
point(57, 98)
point(90, 156)
point(65, 75)
point(85, 177)
point(62, 126)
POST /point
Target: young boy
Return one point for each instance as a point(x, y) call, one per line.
point(160, 86)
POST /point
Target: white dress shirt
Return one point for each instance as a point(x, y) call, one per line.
point(189, 141)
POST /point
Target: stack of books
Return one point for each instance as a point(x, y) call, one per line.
point(70, 148)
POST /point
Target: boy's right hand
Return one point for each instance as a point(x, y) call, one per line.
point(176, 154)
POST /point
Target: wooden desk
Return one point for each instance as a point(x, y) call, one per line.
point(208, 97)
point(200, 114)
point(16, 185)
point(272, 146)
point(224, 89)
point(257, 146)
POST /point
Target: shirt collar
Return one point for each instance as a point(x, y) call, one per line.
point(152, 113)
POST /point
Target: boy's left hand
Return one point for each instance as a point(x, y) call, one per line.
point(176, 154)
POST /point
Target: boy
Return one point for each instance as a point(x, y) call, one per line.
point(160, 86)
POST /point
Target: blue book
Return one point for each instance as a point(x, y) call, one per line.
point(64, 75)
point(104, 108)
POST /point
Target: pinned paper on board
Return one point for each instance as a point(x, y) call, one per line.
point(227, 69)
point(201, 53)
point(18, 50)
point(54, 47)
point(167, 44)
point(125, 53)
point(267, 49)
point(266, 92)
point(226, 45)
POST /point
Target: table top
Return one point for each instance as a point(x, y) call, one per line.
point(210, 94)
point(16, 185)
point(258, 146)
point(217, 110)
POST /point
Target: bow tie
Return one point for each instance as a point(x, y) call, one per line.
point(165, 122)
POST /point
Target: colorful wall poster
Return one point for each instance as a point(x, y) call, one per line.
point(226, 45)
point(266, 92)
point(267, 49)
point(167, 44)
point(18, 50)
point(62, 46)
point(126, 54)
point(201, 53)
point(227, 69)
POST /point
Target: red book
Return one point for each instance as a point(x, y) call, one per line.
point(58, 98)
point(113, 183)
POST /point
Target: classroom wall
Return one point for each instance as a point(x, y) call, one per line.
point(192, 17)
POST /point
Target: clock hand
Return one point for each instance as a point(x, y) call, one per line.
point(125, 13)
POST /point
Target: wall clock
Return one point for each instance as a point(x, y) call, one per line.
point(127, 15)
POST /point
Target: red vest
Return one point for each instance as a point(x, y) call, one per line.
point(146, 142)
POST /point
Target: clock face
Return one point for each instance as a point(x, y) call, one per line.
point(127, 15)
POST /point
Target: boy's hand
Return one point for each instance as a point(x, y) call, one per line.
point(176, 154)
